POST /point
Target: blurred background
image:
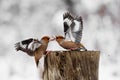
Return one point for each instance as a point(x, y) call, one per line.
point(23, 19)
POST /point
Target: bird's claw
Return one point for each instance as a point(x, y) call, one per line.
point(78, 49)
point(73, 49)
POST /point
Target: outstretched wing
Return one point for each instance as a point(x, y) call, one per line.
point(67, 21)
point(73, 26)
point(27, 41)
point(77, 34)
point(28, 46)
point(23, 44)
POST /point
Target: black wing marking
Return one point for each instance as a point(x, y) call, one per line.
point(27, 41)
point(66, 27)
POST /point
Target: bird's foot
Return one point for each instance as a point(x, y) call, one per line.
point(78, 49)
point(73, 49)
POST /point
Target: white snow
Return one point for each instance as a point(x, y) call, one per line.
point(99, 33)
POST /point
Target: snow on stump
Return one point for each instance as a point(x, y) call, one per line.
point(71, 65)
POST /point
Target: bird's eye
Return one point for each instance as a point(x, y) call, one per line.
point(47, 38)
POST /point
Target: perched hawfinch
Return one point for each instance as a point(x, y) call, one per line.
point(70, 45)
point(73, 27)
point(34, 47)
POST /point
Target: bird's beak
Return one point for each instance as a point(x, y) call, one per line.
point(52, 38)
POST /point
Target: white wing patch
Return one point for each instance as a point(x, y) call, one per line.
point(77, 26)
point(21, 45)
point(69, 22)
point(33, 45)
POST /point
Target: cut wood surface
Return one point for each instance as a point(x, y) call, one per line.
point(71, 65)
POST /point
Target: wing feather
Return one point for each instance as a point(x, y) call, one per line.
point(78, 33)
point(67, 21)
point(28, 46)
point(74, 25)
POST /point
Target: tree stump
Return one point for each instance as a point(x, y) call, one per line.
point(71, 65)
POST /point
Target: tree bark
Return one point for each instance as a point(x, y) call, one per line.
point(71, 65)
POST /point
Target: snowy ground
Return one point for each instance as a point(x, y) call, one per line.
point(22, 19)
